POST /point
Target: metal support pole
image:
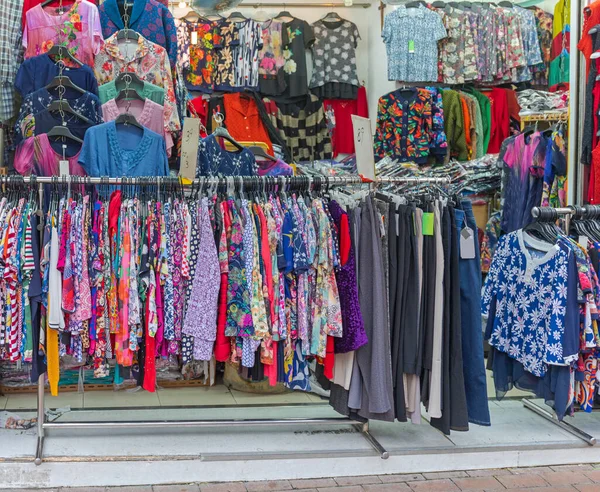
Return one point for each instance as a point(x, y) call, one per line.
point(41, 417)
point(576, 85)
point(571, 429)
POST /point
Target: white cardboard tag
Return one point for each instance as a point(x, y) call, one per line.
point(63, 167)
point(583, 241)
point(363, 143)
point(194, 38)
point(189, 148)
point(467, 244)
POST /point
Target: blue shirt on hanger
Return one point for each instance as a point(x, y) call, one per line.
point(123, 150)
point(37, 72)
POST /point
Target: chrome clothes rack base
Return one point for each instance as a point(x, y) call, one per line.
point(302, 182)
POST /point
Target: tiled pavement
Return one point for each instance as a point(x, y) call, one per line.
point(563, 478)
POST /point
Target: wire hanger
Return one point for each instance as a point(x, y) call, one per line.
point(126, 33)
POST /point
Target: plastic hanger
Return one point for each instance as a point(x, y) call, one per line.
point(128, 34)
point(62, 52)
point(63, 106)
point(128, 119)
point(64, 81)
point(63, 132)
point(260, 152)
point(237, 17)
point(284, 16)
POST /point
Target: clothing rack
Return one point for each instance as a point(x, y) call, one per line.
point(289, 182)
point(566, 213)
point(331, 5)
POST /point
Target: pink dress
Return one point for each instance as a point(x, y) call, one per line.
point(78, 29)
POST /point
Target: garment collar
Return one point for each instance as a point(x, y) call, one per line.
point(111, 46)
point(418, 12)
point(247, 108)
point(112, 10)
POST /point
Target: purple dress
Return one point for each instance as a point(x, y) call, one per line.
point(354, 335)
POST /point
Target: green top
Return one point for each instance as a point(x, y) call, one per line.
point(559, 70)
point(109, 91)
point(478, 126)
point(454, 125)
point(486, 116)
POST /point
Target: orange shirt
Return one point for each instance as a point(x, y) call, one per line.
point(591, 16)
point(243, 121)
point(467, 125)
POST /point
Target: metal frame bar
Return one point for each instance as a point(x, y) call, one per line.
point(330, 5)
point(550, 417)
point(42, 425)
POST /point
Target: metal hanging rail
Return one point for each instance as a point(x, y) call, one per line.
point(329, 5)
point(292, 181)
point(528, 403)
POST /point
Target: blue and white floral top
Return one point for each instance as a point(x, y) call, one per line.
point(214, 161)
point(411, 37)
point(530, 298)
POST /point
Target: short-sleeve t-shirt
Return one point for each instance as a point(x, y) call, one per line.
point(300, 37)
point(78, 29)
point(411, 37)
point(123, 151)
point(334, 53)
point(38, 72)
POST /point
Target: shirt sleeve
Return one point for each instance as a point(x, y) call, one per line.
point(96, 27)
point(23, 80)
point(439, 31)
point(163, 164)
point(355, 35)
point(570, 342)
point(386, 32)
point(309, 34)
point(170, 37)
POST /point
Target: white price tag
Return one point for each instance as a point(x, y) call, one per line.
point(194, 38)
point(189, 148)
point(363, 144)
point(467, 244)
point(583, 241)
point(63, 167)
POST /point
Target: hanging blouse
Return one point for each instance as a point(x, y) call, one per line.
point(271, 78)
point(519, 272)
point(86, 104)
point(544, 31)
point(334, 59)
point(123, 151)
point(227, 41)
point(244, 121)
point(214, 161)
point(303, 126)
point(37, 72)
point(148, 62)
point(411, 37)
point(110, 90)
point(36, 156)
point(150, 18)
point(405, 126)
point(78, 29)
point(457, 50)
point(245, 54)
point(147, 113)
point(196, 53)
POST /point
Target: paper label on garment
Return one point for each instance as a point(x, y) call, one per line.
point(427, 224)
point(363, 143)
point(467, 244)
point(63, 168)
point(583, 241)
point(411, 45)
point(194, 38)
point(189, 148)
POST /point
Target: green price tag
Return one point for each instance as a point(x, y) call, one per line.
point(411, 45)
point(428, 224)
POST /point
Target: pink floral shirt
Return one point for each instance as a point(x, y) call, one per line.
point(147, 60)
point(78, 29)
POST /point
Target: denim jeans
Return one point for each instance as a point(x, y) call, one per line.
point(472, 331)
